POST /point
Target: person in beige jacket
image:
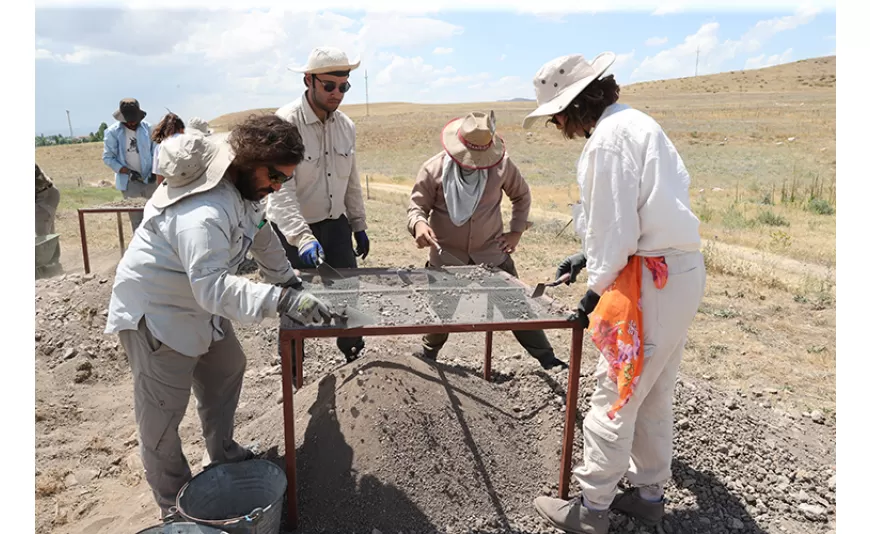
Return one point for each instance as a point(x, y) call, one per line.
point(455, 206)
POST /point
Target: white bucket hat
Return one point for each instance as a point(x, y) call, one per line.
point(189, 164)
point(326, 59)
point(200, 125)
point(560, 80)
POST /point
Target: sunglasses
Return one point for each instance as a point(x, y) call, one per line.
point(277, 177)
point(330, 86)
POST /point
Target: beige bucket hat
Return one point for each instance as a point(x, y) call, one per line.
point(560, 80)
point(326, 59)
point(472, 142)
point(200, 125)
point(189, 164)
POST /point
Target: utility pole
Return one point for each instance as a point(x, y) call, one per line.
point(367, 92)
point(69, 121)
point(697, 57)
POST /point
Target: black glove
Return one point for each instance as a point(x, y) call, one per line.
point(295, 282)
point(573, 265)
point(584, 308)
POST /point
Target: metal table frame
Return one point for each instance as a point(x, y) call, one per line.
point(112, 209)
point(291, 345)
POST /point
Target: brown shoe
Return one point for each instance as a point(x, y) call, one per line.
point(633, 505)
point(571, 516)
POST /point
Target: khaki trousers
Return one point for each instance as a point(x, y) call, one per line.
point(638, 442)
point(136, 189)
point(46, 208)
point(162, 380)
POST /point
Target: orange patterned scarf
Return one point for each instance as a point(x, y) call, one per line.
point(617, 325)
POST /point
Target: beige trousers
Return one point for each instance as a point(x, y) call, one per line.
point(46, 208)
point(137, 189)
point(162, 380)
point(638, 442)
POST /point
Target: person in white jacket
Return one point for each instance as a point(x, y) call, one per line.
point(176, 290)
point(646, 277)
point(318, 212)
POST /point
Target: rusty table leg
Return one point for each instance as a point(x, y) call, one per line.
point(120, 233)
point(487, 362)
point(285, 342)
point(84, 242)
point(570, 411)
point(299, 351)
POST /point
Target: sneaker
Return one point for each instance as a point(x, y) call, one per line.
point(633, 505)
point(572, 516)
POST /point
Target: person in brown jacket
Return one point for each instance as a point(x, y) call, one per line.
point(455, 206)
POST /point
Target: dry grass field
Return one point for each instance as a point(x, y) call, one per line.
point(760, 146)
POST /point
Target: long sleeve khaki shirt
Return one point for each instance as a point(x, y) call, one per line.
point(326, 184)
point(476, 240)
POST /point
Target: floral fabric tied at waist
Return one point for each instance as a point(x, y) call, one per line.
point(617, 325)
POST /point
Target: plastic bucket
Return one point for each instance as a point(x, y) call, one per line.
point(238, 498)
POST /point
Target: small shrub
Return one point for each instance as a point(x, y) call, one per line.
point(733, 218)
point(820, 206)
point(770, 218)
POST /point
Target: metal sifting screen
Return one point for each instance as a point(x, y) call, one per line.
point(449, 295)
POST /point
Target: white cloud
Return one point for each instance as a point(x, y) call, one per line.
point(622, 59)
point(439, 50)
point(762, 60)
point(42, 53)
point(668, 8)
point(656, 41)
point(705, 47)
point(412, 71)
point(79, 55)
point(503, 57)
point(457, 80)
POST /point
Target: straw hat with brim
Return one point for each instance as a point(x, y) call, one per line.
point(560, 80)
point(128, 111)
point(472, 142)
point(189, 164)
point(326, 59)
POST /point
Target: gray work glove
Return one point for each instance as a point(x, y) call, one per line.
point(304, 308)
point(571, 265)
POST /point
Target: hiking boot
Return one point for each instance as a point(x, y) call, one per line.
point(550, 361)
point(633, 505)
point(354, 352)
point(572, 516)
point(427, 354)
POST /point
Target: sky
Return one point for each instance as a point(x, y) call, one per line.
point(205, 63)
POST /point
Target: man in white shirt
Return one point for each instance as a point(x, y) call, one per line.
point(634, 202)
point(177, 290)
point(316, 213)
point(127, 150)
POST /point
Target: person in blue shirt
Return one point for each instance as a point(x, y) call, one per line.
point(128, 150)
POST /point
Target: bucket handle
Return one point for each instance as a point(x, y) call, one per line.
point(255, 516)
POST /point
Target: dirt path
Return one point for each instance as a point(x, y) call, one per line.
point(788, 268)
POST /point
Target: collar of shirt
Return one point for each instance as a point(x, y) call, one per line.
point(308, 111)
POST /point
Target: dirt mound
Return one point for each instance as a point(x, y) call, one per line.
point(394, 442)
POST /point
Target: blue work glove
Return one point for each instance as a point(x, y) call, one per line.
point(309, 253)
point(362, 244)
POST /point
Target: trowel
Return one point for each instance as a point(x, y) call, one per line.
point(325, 270)
point(346, 317)
point(539, 289)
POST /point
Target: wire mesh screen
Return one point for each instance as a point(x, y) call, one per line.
point(449, 295)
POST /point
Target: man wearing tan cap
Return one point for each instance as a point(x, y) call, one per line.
point(317, 212)
point(177, 290)
point(455, 211)
point(127, 150)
